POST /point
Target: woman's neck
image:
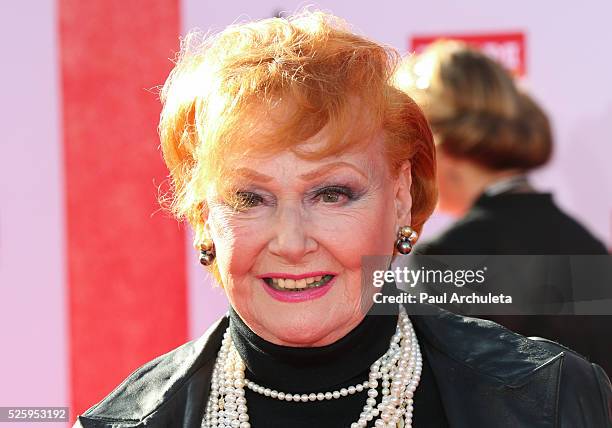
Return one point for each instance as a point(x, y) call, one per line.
point(307, 369)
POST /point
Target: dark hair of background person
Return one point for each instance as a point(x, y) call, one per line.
point(477, 112)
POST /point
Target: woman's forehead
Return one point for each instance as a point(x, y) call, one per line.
point(366, 159)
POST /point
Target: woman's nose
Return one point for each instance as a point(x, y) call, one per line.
point(291, 240)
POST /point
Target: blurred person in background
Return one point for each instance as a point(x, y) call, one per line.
point(489, 135)
point(293, 155)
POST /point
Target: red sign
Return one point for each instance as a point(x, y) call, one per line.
point(507, 48)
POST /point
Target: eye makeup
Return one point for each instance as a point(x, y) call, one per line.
point(329, 193)
point(333, 191)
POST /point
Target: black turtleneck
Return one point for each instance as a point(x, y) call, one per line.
point(321, 369)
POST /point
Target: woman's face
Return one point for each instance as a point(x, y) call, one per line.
point(290, 261)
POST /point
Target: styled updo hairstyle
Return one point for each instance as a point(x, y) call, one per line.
point(309, 68)
point(476, 110)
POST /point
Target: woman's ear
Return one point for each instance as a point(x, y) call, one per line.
point(403, 197)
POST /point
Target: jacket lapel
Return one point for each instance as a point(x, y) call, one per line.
point(170, 391)
point(488, 375)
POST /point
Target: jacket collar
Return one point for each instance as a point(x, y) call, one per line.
point(488, 375)
point(482, 346)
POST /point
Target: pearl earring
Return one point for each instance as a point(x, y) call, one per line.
point(207, 252)
point(406, 237)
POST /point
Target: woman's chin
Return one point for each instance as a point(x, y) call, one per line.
point(302, 332)
point(317, 322)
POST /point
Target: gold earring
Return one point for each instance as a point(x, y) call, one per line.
point(406, 237)
point(207, 252)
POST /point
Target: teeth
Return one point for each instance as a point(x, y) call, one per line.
point(300, 284)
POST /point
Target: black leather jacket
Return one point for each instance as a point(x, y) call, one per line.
point(487, 376)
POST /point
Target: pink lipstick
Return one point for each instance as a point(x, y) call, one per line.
point(277, 285)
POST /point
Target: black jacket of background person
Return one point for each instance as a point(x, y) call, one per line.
point(531, 223)
point(487, 376)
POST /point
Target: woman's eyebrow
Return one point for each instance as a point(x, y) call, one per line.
point(330, 167)
point(251, 174)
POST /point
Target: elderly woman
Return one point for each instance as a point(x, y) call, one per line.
point(293, 155)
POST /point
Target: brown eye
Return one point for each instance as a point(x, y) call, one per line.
point(335, 194)
point(248, 199)
point(330, 196)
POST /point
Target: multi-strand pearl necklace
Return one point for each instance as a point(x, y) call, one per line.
point(398, 370)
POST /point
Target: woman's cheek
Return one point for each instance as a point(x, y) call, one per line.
point(245, 246)
point(230, 249)
point(347, 236)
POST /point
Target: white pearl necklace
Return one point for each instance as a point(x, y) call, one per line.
point(343, 392)
point(399, 368)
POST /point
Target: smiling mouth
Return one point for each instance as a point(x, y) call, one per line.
point(286, 284)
